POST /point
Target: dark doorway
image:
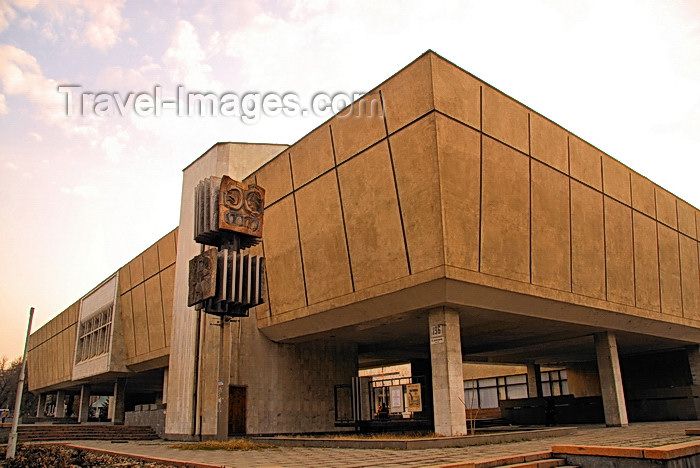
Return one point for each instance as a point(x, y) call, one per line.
point(236, 410)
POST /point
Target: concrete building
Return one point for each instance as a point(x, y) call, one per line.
point(451, 224)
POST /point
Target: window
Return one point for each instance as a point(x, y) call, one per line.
point(93, 338)
point(486, 393)
point(554, 383)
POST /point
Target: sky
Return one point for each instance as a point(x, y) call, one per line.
point(85, 188)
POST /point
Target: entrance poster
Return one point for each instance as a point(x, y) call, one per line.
point(413, 398)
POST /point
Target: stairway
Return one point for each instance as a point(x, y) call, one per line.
point(41, 433)
point(530, 460)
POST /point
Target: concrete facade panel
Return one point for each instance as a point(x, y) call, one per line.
point(686, 219)
point(167, 285)
point(357, 128)
point(669, 271)
point(286, 283)
point(643, 195)
point(549, 143)
point(167, 250)
point(414, 150)
point(551, 229)
point(616, 180)
point(377, 251)
point(646, 263)
point(324, 250)
point(150, 261)
point(459, 159)
point(154, 309)
point(588, 241)
point(666, 208)
point(276, 178)
point(690, 277)
point(128, 325)
point(505, 216)
point(585, 163)
point(409, 94)
point(312, 156)
point(136, 271)
point(619, 251)
point(456, 93)
point(505, 119)
point(138, 307)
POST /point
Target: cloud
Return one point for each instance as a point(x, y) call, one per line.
point(3, 105)
point(20, 74)
point(36, 136)
point(105, 24)
point(96, 24)
point(85, 191)
point(186, 60)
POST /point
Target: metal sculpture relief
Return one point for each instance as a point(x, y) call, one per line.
point(226, 280)
point(241, 207)
point(202, 277)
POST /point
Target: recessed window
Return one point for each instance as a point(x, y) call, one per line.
point(93, 339)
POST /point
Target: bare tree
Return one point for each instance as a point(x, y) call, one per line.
point(9, 377)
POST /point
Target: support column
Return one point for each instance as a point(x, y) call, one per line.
point(41, 405)
point(693, 352)
point(60, 404)
point(448, 381)
point(165, 386)
point(84, 403)
point(534, 381)
point(610, 379)
point(222, 389)
point(119, 397)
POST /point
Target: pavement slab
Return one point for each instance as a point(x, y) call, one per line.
point(647, 435)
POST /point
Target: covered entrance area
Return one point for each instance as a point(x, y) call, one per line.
point(619, 368)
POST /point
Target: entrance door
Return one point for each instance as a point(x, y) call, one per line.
point(236, 410)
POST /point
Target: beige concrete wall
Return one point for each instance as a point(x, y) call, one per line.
point(483, 371)
point(50, 351)
point(289, 387)
point(146, 287)
point(460, 181)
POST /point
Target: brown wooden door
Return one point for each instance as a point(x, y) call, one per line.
point(236, 410)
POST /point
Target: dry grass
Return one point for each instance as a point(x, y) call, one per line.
point(230, 445)
point(374, 435)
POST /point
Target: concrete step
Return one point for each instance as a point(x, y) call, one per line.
point(34, 433)
point(546, 463)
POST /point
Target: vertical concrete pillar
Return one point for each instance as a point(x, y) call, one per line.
point(223, 382)
point(165, 386)
point(119, 397)
point(610, 379)
point(448, 382)
point(693, 352)
point(60, 404)
point(41, 405)
point(84, 403)
point(534, 381)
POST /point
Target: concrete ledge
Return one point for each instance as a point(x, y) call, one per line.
point(187, 464)
point(417, 444)
point(599, 451)
point(670, 456)
point(670, 452)
point(502, 461)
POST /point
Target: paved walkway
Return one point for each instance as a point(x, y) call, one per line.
point(636, 435)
